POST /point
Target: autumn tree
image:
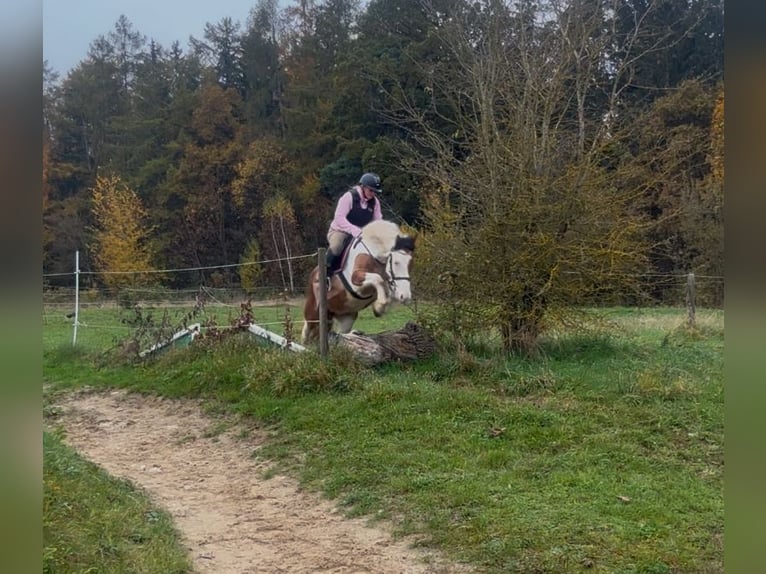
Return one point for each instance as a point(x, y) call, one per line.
point(316, 40)
point(513, 111)
point(711, 226)
point(122, 249)
point(712, 198)
point(279, 232)
point(528, 209)
point(267, 194)
point(251, 268)
point(263, 193)
point(208, 229)
point(680, 164)
point(717, 140)
point(264, 171)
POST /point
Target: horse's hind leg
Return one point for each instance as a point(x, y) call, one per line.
point(309, 332)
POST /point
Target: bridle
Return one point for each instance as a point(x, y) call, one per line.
point(388, 267)
point(389, 271)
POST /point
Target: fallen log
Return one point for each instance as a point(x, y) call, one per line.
point(410, 343)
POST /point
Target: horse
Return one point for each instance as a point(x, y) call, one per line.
point(375, 271)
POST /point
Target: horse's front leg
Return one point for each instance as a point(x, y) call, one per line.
point(382, 301)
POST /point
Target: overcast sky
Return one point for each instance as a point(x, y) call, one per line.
point(69, 26)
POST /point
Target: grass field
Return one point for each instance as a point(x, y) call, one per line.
point(605, 454)
point(95, 523)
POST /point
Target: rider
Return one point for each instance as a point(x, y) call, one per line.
point(355, 209)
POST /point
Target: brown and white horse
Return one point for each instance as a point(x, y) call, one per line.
point(375, 271)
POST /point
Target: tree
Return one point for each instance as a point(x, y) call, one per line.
point(675, 40)
point(49, 78)
point(156, 134)
point(125, 44)
point(265, 170)
point(279, 232)
point(398, 48)
point(712, 199)
point(518, 115)
point(523, 217)
point(717, 140)
point(122, 248)
point(317, 36)
point(198, 193)
point(251, 269)
point(66, 172)
point(682, 194)
point(262, 70)
point(223, 48)
point(90, 98)
point(142, 134)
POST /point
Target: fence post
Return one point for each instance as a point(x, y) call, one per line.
point(690, 300)
point(322, 263)
point(76, 295)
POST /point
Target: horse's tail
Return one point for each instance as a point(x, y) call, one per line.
point(311, 293)
point(310, 308)
point(310, 282)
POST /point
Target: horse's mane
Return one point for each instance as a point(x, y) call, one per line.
point(380, 236)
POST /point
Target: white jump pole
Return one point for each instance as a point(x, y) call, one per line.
point(76, 295)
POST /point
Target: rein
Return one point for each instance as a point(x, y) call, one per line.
point(392, 279)
point(388, 265)
point(350, 288)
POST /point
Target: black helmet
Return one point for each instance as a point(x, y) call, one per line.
point(371, 180)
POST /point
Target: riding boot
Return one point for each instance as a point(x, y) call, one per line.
point(331, 259)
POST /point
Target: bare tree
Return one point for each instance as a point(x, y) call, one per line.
point(279, 215)
point(530, 203)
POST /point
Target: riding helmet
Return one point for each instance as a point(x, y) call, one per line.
point(371, 180)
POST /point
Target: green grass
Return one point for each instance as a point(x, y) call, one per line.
point(605, 454)
point(95, 523)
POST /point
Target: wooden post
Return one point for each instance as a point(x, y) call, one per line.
point(690, 300)
point(322, 263)
point(76, 295)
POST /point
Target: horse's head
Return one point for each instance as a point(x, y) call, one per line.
point(398, 265)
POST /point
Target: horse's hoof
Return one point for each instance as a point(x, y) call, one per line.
point(379, 309)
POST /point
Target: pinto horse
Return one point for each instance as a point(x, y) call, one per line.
point(375, 271)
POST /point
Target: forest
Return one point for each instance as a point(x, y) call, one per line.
point(564, 151)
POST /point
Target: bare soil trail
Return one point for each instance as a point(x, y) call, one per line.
point(232, 519)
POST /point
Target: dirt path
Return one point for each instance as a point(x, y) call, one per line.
point(232, 519)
